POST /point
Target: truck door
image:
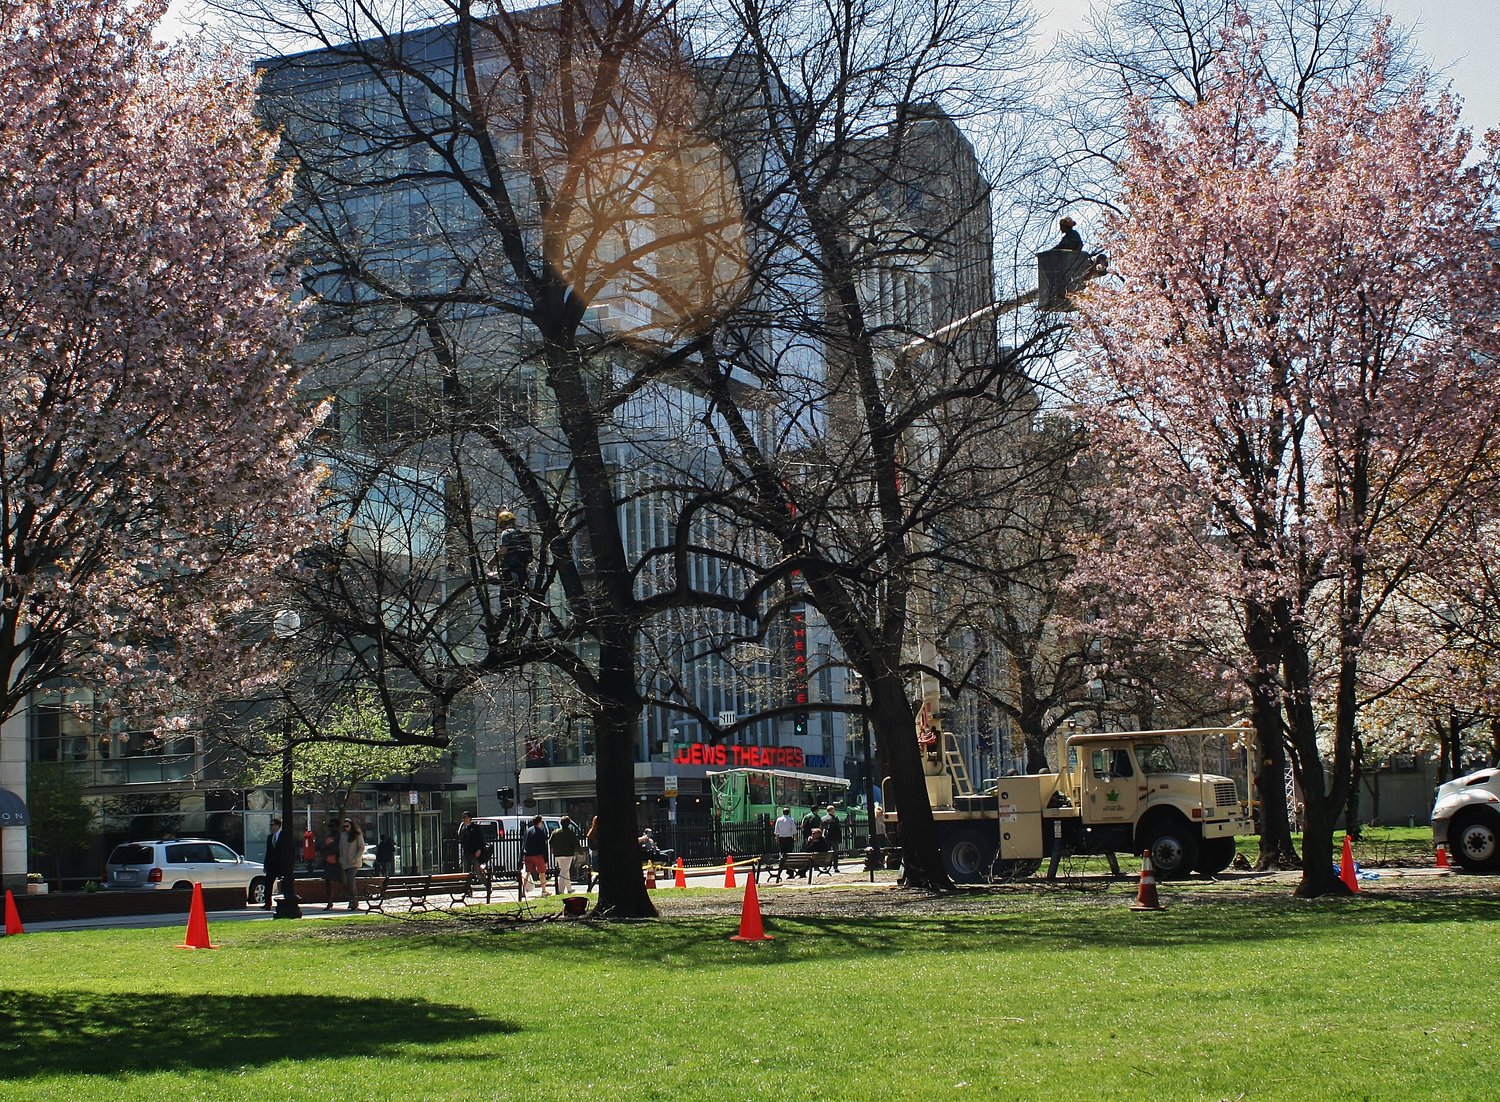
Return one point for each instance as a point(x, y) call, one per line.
point(1111, 786)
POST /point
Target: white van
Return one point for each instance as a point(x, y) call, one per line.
point(504, 834)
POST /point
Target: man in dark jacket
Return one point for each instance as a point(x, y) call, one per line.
point(1071, 239)
point(812, 821)
point(275, 862)
point(833, 830)
point(472, 844)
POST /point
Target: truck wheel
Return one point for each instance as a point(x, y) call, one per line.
point(1474, 837)
point(1214, 855)
point(968, 854)
point(1173, 846)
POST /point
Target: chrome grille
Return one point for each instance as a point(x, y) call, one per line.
point(1225, 794)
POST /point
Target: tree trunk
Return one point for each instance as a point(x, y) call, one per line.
point(1323, 796)
point(1276, 851)
point(921, 865)
point(1319, 875)
point(1351, 805)
point(622, 889)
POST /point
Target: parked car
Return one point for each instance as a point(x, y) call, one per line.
point(176, 864)
point(1466, 819)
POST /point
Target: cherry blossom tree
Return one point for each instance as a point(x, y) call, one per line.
point(151, 485)
point(1296, 371)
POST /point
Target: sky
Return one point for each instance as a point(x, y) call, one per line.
point(1460, 41)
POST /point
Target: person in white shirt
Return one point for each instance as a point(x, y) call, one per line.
point(785, 830)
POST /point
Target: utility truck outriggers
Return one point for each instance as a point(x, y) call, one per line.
point(1113, 792)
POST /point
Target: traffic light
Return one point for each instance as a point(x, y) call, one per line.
point(799, 723)
point(505, 796)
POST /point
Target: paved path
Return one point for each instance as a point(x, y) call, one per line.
point(504, 892)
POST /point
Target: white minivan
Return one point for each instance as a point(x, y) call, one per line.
point(176, 864)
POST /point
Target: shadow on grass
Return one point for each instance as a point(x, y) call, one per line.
point(1048, 923)
point(94, 1033)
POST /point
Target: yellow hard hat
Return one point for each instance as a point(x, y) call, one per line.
point(505, 516)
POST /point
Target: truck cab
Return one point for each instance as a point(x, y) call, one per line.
point(1134, 796)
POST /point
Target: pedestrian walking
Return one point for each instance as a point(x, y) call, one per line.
point(328, 859)
point(534, 856)
point(592, 838)
point(351, 856)
point(785, 832)
point(833, 830)
point(385, 856)
point(564, 843)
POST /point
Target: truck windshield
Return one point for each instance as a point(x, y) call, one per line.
point(1155, 757)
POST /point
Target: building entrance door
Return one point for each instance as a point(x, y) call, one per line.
point(419, 839)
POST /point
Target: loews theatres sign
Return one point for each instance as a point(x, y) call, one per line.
point(752, 757)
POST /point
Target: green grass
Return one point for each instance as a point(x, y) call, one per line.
point(1053, 995)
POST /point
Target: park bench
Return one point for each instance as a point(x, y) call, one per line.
point(799, 863)
point(418, 890)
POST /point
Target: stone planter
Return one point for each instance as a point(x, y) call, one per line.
point(36, 889)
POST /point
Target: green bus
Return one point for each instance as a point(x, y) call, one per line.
point(747, 801)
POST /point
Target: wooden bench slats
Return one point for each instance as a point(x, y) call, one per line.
point(417, 889)
point(799, 863)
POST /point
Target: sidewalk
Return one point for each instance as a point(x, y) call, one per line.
point(502, 893)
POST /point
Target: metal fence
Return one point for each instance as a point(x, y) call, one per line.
point(696, 844)
point(709, 845)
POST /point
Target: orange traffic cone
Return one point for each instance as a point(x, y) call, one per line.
point(1346, 867)
point(679, 879)
point(197, 931)
point(729, 872)
point(1442, 858)
point(650, 876)
point(12, 917)
point(751, 928)
point(1145, 897)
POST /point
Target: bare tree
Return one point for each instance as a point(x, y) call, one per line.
point(887, 368)
point(517, 238)
point(1165, 52)
point(661, 309)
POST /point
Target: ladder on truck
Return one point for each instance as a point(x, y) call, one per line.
point(953, 762)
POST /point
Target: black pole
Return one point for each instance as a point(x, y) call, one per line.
point(864, 718)
point(411, 807)
point(288, 906)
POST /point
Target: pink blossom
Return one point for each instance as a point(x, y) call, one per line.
point(151, 482)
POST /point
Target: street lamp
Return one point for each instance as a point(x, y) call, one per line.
point(285, 626)
point(673, 735)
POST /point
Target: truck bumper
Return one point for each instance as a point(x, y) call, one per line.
point(1232, 828)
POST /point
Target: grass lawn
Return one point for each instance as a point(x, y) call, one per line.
point(1045, 995)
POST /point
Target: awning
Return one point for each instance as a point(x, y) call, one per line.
point(13, 811)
